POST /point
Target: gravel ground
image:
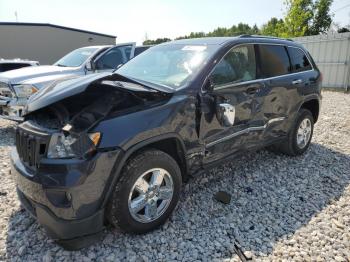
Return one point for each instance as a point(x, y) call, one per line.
point(281, 209)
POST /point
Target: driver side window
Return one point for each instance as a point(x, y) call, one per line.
point(113, 58)
point(238, 65)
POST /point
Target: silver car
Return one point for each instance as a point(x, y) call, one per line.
point(16, 86)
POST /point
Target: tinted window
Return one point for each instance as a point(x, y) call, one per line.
point(299, 60)
point(238, 65)
point(140, 49)
point(114, 57)
point(11, 66)
point(274, 60)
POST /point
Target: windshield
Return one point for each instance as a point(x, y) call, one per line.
point(171, 65)
point(76, 57)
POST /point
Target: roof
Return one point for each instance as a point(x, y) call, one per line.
point(224, 40)
point(204, 40)
point(55, 26)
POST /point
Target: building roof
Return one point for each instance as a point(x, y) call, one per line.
point(55, 26)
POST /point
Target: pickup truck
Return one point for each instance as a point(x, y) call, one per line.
point(16, 86)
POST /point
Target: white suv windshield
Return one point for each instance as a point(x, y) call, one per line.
point(171, 65)
point(76, 57)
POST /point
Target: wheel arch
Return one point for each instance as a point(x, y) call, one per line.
point(170, 143)
point(313, 105)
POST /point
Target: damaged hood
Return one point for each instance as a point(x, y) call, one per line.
point(65, 88)
point(59, 90)
point(18, 76)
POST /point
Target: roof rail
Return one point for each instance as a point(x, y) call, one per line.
point(264, 36)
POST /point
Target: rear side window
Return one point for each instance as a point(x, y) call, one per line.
point(274, 60)
point(238, 65)
point(11, 66)
point(299, 60)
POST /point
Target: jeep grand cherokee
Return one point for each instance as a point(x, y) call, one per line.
point(115, 148)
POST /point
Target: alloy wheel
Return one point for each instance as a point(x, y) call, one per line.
point(151, 195)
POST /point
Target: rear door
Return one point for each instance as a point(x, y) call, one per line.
point(234, 84)
point(305, 78)
point(280, 89)
point(114, 57)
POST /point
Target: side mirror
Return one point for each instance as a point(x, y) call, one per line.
point(209, 85)
point(226, 113)
point(89, 66)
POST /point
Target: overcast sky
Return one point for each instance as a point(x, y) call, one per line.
point(131, 20)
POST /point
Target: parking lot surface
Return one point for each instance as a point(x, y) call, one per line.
point(282, 208)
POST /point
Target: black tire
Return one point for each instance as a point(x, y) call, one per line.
point(290, 146)
point(117, 211)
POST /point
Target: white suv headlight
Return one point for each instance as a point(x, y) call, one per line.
point(24, 91)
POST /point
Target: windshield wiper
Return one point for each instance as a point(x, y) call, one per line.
point(151, 85)
point(61, 65)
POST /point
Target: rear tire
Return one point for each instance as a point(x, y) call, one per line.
point(299, 137)
point(146, 194)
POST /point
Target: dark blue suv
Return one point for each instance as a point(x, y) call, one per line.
point(116, 147)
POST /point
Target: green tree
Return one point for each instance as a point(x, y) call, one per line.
point(156, 42)
point(306, 17)
point(298, 18)
point(322, 19)
point(234, 30)
point(344, 29)
point(274, 27)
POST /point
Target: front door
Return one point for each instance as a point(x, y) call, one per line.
point(233, 85)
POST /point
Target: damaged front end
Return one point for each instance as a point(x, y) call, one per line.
point(60, 171)
point(72, 119)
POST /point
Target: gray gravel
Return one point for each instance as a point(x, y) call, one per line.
point(281, 209)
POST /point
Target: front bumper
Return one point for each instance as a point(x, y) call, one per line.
point(66, 196)
point(71, 234)
point(12, 108)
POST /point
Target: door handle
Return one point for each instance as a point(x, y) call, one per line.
point(297, 82)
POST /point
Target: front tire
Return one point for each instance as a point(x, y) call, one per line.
point(300, 135)
point(146, 194)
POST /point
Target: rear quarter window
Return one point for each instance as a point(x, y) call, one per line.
point(299, 60)
point(274, 60)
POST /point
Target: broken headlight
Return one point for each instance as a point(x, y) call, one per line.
point(62, 146)
point(24, 91)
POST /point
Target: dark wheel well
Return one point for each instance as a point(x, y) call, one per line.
point(172, 147)
point(314, 107)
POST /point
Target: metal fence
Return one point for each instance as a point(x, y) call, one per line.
point(332, 56)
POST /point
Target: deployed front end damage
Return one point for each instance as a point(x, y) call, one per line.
point(71, 119)
point(57, 157)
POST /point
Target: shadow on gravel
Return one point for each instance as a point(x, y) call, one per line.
point(272, 197)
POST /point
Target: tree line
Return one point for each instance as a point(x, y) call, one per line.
point(302, 18)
